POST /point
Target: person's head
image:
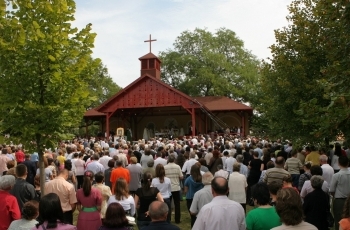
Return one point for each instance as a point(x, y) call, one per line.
point(289, 206)
point(121, 189)
point(323, 159)
point(7, 182)
point(274, 187)
point(261, 194)
point(150, 163)
point(99, 177)
point(30, 210)
point(160, 172)
point(87, 182)
point(343, 161)
point(111, 163)
point(10, 164)
point(21, 171)
point(287, 180)
point(193, 155)
point(68, 165)
point(239, 158)
point(270, 165)
point(219, 186)
point(307, 165)
point(171, 159)
point(27, 156)
point(236, 167)
point(219, 167)
point(196, 173)
point(255, 154)
point(216, 154)
point(146, 180)
point(115, 216)
point(158, 211)
point(207, 178)
point(316, 170)
point(50, 210)
point(316, 182)
point(279, 161)
point(133, 160)
point(119, 163)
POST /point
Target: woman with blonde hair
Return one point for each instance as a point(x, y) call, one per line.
point(123, 197)
point(105, 192)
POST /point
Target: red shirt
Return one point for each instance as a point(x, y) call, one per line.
point(9, 210)
point(117, 173)
point(19, 156)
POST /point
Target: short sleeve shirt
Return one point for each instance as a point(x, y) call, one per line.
point(146, 198)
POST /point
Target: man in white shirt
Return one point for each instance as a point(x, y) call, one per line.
point(209, 155)
point(104, 160)
point(220, 213)
point(186, 168)
point(95, 166)
point(327, 170)
point(159, 159)
point(228, 165)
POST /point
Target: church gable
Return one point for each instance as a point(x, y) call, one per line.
point(146, 92)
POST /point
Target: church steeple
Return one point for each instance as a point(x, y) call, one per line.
point(150, 63)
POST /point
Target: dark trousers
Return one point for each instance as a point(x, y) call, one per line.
point(68, 217)
point(295, 179)
point(176, 196)
point(193, 217)
point(168, 202)
point(80, 181)
point(338, 205)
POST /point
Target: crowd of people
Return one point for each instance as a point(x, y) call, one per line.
point(120, 185)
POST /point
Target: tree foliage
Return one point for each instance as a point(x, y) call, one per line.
point(41, 61)
point(206, 64)
point(305, 87)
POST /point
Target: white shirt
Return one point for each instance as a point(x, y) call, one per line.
point(328, 173)
point(127, 204)
point(221, 213)
point(229, 164)
point(237, 184)
point(95, 167)
point(307, 188)
point(104, 161)
point(201, 198)
point(160, 160)
point(164, 188)
point(186, 168)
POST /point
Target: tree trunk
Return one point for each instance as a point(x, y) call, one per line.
point(41, 164)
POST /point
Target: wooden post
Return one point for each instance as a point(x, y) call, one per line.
point(193, 122)
point(107, 127)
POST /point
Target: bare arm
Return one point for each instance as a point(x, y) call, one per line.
point(159, 197)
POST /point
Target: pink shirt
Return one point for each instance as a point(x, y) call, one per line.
point(60, 226)
point(3, 163)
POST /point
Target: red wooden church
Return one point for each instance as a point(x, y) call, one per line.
point(149, 107)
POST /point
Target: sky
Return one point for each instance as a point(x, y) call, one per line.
point(122, 26)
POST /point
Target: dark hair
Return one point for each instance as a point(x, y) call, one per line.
point(76, 155)
point(21, 170)
point(99, 177)
point(160, 172)
point(220, 189)
point(316, 170)
point(68, 165)
point(196, 173)
point(274, 187)
point(111, 163)
point(88, 177)
point(146, 181)
point(343, 161)
point(50, 210)
point(171, 158)
point(270, 165)
point(30, 210)
point(115, 217)
point(289, 206)
point(337, 150)
point(260, 192)
point(287, 179)
point(121, 189)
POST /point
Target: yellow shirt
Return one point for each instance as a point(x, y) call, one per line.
point(61, 159)
point(314, 157)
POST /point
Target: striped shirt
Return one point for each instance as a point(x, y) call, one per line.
point(293, 165)
point(275, 174)
point(173, 172)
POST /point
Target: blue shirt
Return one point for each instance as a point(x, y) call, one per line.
point(193, 187)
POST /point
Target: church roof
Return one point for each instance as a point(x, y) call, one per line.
point(93, 113)
point(221, 103)
point(148, 56)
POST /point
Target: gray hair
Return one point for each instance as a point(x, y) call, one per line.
point(193, 155)
point(171, 158)
point(316, 181)
point(157, 210)
point(7, 182)
point(207, 178)
point(240, 158)
point(323, 158)
point(150, 163)
point(236, 167)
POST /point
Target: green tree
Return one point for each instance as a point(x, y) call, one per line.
point(207, 64)
point(41, 59)
point(304, 85)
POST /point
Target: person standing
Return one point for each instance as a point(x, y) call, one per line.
point(3, 161)
point(79, 164)
point(19, 155)
point(22, 190)
point(203, 196)
point(293, 166)
point(135, 171)
point(104, 190)
point(94, 166)
point(173, 172)
point(220, 213)
point(31, 169)
point(277, 173)
point(313, 156)
point(237, 184)
point(9, 208)
point(340, 189)
point(66, 193)
point(327, 170)
point(119, 172)
point(104, 159)
point(89, 202)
